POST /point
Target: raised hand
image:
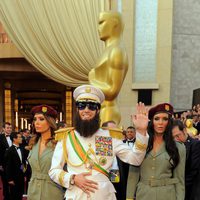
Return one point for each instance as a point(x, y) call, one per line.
point(140, 118)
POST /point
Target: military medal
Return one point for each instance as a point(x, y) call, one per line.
point(90, 165)
point(102, 161)
point(103, 146)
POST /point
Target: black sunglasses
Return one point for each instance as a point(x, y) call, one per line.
point(90, 105)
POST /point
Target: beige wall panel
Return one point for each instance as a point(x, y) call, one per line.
point(163, 4)
point(127, 97)
point(164, 46)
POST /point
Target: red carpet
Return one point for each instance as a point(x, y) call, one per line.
point(1, 191)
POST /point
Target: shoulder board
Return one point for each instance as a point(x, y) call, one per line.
point(60, 134)
point(116, 133)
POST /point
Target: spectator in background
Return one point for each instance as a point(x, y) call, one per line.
point(196, 122)
point(25, 137)
point(15, 167)
point(130, 140)
point(192, 168)
point(130, 136)
point(61, 125)
point(5, 143)
point(25, 142)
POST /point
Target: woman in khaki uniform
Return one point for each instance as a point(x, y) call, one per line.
point(161, 175)
point(41, 187)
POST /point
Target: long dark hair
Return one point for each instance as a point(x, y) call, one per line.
point(52, 123)
point(170, 144)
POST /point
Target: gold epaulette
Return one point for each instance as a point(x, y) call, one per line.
point(115, 132)
point(60, 134)
point(140, 146)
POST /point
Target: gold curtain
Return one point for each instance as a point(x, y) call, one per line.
point(58, 37)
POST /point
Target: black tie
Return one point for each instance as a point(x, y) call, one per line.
point(130, 142)
point(17, 148)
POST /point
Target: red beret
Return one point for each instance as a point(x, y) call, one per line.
point(45, 110)
point(163, 107)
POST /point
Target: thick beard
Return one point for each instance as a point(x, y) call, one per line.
point(87, 128)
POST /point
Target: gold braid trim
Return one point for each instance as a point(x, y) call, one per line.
point(65, 154)
point(61, 177)
point(60, 134)
point(140, 146)
point(116, 133)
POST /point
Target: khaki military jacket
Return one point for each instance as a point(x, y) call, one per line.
point(41, 187)
point(155, 180)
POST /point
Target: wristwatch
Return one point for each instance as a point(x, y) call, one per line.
point(72, 177)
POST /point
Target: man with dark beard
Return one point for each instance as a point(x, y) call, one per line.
point(89, 150)
point(87, 128)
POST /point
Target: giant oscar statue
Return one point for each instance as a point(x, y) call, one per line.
point(110, 70)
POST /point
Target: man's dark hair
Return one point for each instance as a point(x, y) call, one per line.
point(195, 115)
point(179, 124)
point(105, 124)
point(61, 125)
point(6, 123)
point(14, 135)
point(131, 127)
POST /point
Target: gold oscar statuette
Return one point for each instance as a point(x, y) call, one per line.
point(110, 70)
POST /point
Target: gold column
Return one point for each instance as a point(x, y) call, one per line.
point(7, 105)
point(68, 106)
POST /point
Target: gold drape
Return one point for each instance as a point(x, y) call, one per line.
point(58, 37)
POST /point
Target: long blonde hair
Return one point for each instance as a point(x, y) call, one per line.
point(36, 136)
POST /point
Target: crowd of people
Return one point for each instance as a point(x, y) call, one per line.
point(157, 157)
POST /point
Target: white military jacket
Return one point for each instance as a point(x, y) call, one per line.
point(104, 148)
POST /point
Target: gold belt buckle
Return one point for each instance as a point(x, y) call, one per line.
point(163, 182)
point(150, 182)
